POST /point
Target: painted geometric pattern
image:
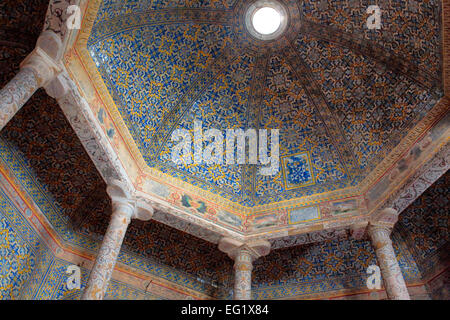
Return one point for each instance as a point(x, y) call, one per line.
point(54, 286)
point(72, 180)
point(110, 9)
point(222, 269)
point(286, 107)
point(22, 21)
point(21, 251)
point(30, 271)
point(408, 28)
point(321, 267)
point(297, 170)
point(39, 129)
point(36, 282)
point(154, 71)
point(43, 273)
point(375, 107)
point(297, 271)
point(90, 238)
point(149, 69)
point(222, 106)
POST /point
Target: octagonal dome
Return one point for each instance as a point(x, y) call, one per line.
point(348, 101)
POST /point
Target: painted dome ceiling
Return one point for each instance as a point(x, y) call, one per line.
point(342, 96)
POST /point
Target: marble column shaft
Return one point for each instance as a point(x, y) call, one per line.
point(390, 270)
point(109, 251)
point(243, 267)
point(15, 94)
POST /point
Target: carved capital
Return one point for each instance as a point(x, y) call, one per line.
point(233, 248)
point(59, 87)
point(144, 211)
point(380, 227)
point(121, 197)
point(45, 59)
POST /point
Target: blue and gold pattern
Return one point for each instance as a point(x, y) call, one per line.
point(59, 180)
point(375, 106)
point(167, 63)
point(425, 226)
point(162, 259)
point(409, 28)
point(18, 257)
point(297, 171)
point(338, 265)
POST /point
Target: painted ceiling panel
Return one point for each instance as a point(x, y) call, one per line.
point(19, 254)
point(409, 28)
point(341, 108)
point(309, 160)
point(428, 215)
point(44, 151)
point(41, 149)
point(113, 8)
point(149, 69)
point(222, 106)
point(329, 266)
point(375, 106)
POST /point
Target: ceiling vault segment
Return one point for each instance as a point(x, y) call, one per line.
point(194, 92)
point(108, 28)
point(332, 125)
point(369, 49)
point(256, 97)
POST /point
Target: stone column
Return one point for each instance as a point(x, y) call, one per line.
point(243, 255)
point(37, 70)
point(379, 231)
point(125, 208)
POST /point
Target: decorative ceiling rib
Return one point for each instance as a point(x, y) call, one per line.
point(193, 94)
point(313, 90)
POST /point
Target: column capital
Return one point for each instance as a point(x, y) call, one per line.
point(58, 87)
point(385, 218)
point(380, 227)
point(120, 195)
point(45, 59)
point(144, 211)
point(256, 248)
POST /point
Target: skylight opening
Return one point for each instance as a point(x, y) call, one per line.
point(266, 20)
